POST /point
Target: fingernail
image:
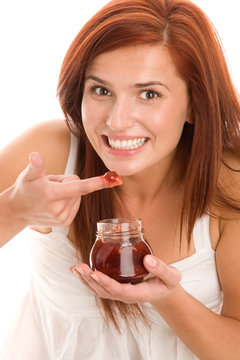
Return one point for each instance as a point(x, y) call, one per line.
point(30, 156)
point(151, 261)
point(79, 269)
point(94, 276)
point(72, 268)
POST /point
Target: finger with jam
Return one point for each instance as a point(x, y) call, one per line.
point(111, 178)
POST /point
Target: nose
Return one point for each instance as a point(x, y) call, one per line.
point(121, 115)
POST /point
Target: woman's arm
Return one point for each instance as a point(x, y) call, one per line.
point(208, 335)
point(9, 225)
point(14, 158)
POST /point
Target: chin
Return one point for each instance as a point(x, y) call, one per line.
point(124, 171)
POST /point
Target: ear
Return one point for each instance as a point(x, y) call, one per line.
point(189, 116)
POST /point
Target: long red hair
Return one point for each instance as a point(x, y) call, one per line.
point(197, 54)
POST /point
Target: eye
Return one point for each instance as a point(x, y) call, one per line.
point(99, 90)
point(149, 94)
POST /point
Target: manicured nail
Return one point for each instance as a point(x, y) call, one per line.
point(80, 270)
point(151, 261)
point(72, 268)
point(94, 276)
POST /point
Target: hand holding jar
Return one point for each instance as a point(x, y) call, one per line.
point(120, 259)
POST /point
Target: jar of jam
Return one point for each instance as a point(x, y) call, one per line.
point(119, 250)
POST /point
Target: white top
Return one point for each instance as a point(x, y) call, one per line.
point(58, 318)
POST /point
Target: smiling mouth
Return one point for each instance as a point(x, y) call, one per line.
point(127, 144)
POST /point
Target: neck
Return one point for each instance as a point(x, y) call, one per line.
point(149, 185)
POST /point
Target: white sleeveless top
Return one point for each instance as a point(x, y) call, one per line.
point(58, 318)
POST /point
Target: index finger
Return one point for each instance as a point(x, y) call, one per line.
point(79, 187)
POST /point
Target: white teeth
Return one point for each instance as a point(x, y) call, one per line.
point(126, 144)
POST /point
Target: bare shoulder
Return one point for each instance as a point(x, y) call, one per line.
point(230, 174)
point(228, 266)
point(50, 138)
point(228, 247)
point(229, 184)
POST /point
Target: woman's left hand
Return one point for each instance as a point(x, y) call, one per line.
point(162, 281)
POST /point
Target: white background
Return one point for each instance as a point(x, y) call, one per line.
point(35, 36)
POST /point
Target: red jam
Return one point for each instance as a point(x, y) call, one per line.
point(112, 178)
point(121, 261)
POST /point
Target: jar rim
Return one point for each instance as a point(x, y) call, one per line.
point(120, 221)
point(119, 225)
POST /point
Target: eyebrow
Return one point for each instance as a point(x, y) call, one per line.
point(138, 86)
point(150, 83)
point(95, 78)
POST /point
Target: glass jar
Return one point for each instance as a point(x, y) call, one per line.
point(119, 250)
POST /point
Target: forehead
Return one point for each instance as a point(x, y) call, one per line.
point(138, 63)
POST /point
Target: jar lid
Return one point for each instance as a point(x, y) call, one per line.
point(120, 225)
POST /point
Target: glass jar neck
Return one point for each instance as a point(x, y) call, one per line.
point(119, 227)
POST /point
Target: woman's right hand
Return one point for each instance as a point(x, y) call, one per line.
point(53, 200)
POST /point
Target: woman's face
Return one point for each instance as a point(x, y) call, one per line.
point(134, 108)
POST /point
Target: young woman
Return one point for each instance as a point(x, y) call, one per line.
point(146, 93)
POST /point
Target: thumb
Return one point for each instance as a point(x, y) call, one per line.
point(168, 274)
point(35, 168)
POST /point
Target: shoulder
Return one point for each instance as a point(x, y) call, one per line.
point(229, 177)
point(228, 190)
point(228, 247)
point(224, 217)
point(229, 186)
point(228, 266)
point(50, 138)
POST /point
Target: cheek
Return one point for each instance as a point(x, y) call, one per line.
point(92, 115)
point(88, 118)
point(84, 111)
point(168, 123)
